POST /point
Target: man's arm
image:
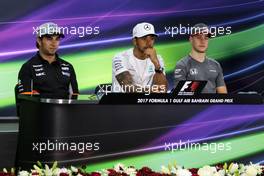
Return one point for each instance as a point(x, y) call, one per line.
point(126, 81)
point(73, 82)
point(123, 76)
point(159, 78)
point(220, 82)
point(25, 80)
point(221, 90)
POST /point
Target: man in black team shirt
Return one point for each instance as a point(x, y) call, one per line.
point(46, 73)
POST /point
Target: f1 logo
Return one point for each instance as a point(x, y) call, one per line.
point(186, 85)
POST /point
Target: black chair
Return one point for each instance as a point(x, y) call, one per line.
point(16, 100)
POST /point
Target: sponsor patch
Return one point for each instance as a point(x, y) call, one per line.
point(36, 66)
point(65, 68)
point(66, 74)
point(178, 70)
point(40, 74)
point(118, 64)
point(38, 69)
point(177, 76)
point(65, 64)
point(193, 71)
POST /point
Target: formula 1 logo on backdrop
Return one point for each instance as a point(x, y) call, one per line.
point(189, 88)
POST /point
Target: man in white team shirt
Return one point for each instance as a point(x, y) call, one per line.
point(139, 69)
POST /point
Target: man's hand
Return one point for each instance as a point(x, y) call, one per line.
point(151, 53)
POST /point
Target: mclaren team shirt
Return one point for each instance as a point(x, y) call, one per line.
point(209, 70)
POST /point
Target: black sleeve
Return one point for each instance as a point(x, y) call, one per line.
point(74, 84)
point(25, 79)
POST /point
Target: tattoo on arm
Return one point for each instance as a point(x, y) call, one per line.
point(126, 81)
point(124, 78)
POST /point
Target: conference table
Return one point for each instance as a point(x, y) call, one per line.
point(87, 129)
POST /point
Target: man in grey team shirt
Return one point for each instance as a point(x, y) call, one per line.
point(196, 66)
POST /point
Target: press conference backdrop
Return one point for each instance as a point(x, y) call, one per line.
point(97, 30)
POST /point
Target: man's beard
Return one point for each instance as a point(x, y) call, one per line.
point(50, 53)
point(142, 50)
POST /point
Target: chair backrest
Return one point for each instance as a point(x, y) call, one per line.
point(16, 99)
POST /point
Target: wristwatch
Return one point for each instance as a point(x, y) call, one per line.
point(159, 70)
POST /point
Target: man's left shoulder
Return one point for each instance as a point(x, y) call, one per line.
point(213, 61)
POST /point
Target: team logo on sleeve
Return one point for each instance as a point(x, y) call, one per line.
point(37, 66)
point(39, 69)
point(66, 73)
point(177, 71)
point(118, 64)
point(65, 68)
point(40, 74)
